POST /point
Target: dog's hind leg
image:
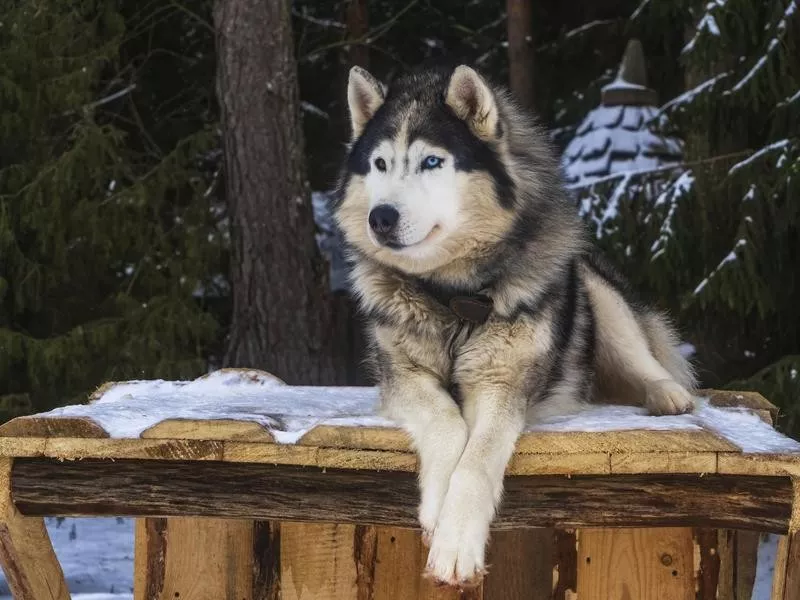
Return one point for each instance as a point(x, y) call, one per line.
point(438, 432)
point(628, 349)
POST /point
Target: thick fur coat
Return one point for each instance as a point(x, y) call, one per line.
point(450, 196)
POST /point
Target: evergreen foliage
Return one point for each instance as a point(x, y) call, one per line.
point(105, 228)
point(719, 244)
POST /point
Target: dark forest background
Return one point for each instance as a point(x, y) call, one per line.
point(158, 158)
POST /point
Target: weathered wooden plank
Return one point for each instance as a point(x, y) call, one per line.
point(106, 448)
point(634, 440)
point(520, 565)
point(368, 438)
point(757, 464)
point(589, 463)
point(399, 567)
point(210, 429)
point(318, 561)
point(202, 559)
point(52, 427)
point(733, 399)
point(786, 580)
point(737, 551)
point(164, 488)
point(26, 554)
point(664, 462)
point(565, 565)
point(266, 560)
point(707, 565)
point(646, 564)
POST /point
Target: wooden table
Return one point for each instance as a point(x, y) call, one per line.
point(271, 491)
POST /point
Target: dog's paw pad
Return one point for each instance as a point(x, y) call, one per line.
point(667, 397)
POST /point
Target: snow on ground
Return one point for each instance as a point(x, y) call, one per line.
point(96, 555)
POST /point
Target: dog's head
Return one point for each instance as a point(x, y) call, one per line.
point(425, 182)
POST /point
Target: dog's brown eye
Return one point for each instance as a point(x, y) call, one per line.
point(380, 164)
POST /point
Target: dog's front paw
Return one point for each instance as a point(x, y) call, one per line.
point(458, 545)
point(667, 397)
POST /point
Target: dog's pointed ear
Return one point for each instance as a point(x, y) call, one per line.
point(473, 101)
point(364, 97)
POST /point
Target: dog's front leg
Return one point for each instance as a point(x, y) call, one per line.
point(496, 415)
point(438, 432)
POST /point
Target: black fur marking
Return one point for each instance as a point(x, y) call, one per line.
point(380, 127)
point(606, 271)
point(563, 325)
point(439, 126)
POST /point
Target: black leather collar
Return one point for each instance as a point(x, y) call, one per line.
point(473, 308)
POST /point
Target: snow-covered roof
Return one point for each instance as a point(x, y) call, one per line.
point(618, 136)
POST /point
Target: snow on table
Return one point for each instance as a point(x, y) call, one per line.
point(125, 410)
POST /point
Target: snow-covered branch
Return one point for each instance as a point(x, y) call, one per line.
point(780, 28)
point(758, 154)
point(729, 258)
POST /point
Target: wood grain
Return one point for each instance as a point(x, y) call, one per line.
point(44, 486)
point(565, 564)
point(520, 565)
point(368, 438)
point(640, 564)
point(52, 427)
point(26, 554)
point(708, 563)
point(217, 429)
point(399, 568)
point(201, 559)
point(635, 440)
point(317, 561)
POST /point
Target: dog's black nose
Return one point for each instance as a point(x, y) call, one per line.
point(383, 218)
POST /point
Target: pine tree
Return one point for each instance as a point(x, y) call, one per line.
point(105, 230)
point(719, 245)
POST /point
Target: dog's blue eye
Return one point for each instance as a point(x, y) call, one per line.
point(431, 162)
point(380, 164)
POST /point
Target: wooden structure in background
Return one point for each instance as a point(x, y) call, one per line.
point(226, 512)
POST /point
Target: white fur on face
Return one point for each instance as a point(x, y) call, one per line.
point(427, 199)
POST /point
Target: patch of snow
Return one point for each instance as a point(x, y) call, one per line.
point(621, 84)
point(642, 5)
point(672, 194)
point(587, 26)
point(96, 555)
point(780, 28)
point(616, 140)
point(315, 110)
point(729, 258)
point(749, 354)
point(791, 99)
point(688, 96)
point(707, 24)
point(765, 566)
point(330, 241)
point(127, 409)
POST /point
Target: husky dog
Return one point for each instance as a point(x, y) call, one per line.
point(486, 306)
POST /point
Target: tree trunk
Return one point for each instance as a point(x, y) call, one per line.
point(357, 28)
point(520, 51)
point(284, 320)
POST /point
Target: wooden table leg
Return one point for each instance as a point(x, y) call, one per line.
point(786, 582)
point(205, 559)
point(26, 554)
